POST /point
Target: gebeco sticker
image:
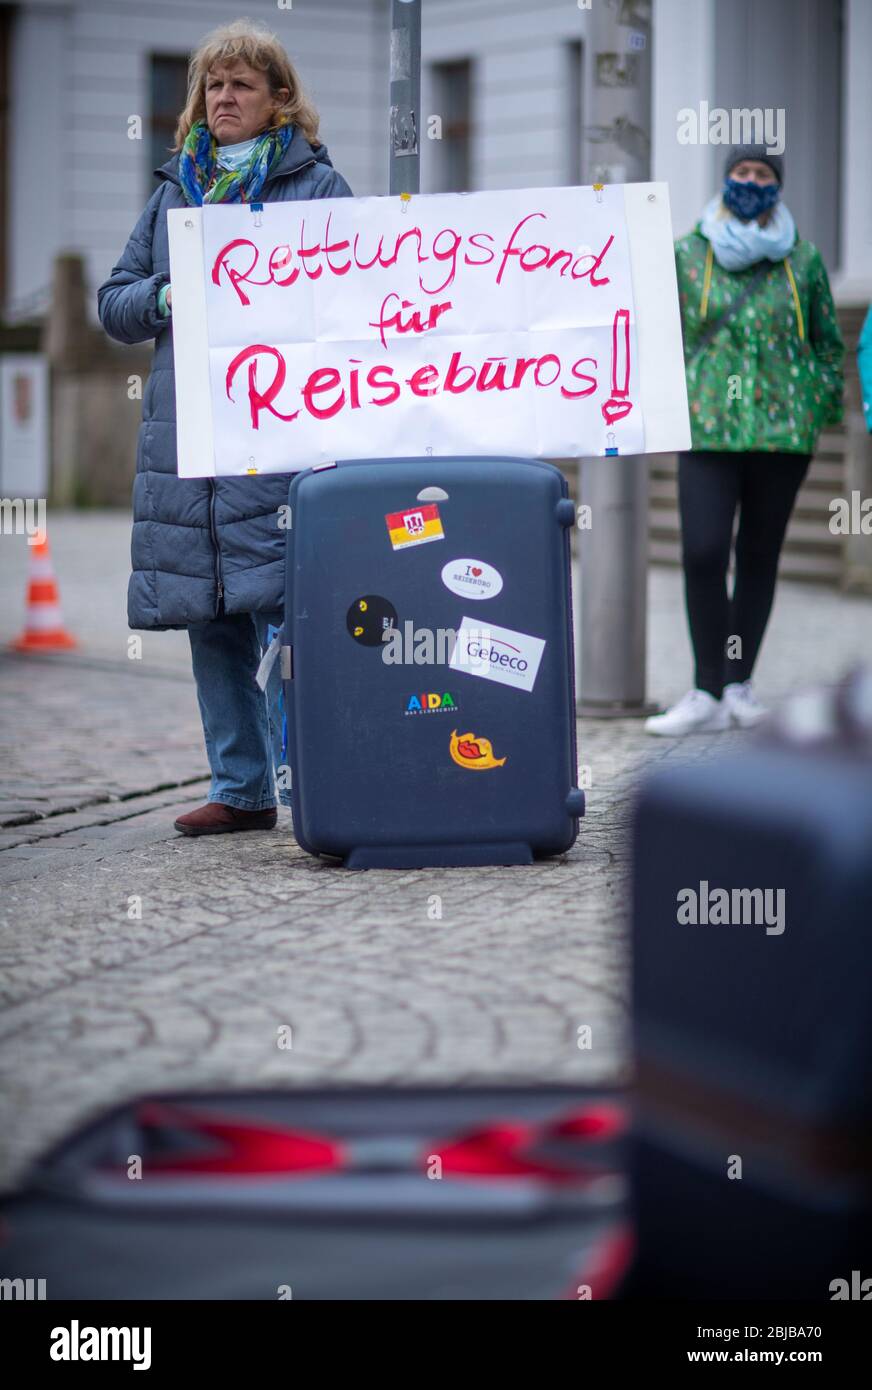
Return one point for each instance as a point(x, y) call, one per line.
point(497, 654)
point(472, 579)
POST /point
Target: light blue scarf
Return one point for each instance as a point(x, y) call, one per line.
point(736, 244)
point(236, 156)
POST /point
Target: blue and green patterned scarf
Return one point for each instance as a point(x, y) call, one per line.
point(198, 159)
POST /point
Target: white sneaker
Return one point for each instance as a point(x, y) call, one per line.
point(743, 706)
point(697, 712)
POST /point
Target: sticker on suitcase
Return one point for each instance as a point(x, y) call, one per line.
point(470, 751)
point(415, 526)
point(472, 579)
point(431, 702)
point(369, 618)
point(497, 654)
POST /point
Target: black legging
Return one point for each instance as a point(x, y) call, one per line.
point(710, 487)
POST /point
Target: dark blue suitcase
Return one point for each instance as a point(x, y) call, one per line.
point(752, 1161)
point(364, 1193)
point(457, 748)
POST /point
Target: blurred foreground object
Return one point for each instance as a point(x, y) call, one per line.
point(371, 1193)
point(753, 1011)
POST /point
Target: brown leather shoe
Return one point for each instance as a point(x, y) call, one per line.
point(216, 819)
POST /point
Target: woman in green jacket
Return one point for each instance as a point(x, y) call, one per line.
point(763, 355)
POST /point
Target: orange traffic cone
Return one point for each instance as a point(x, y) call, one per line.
point(44, 629)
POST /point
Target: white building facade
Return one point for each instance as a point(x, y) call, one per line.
point(94, 85)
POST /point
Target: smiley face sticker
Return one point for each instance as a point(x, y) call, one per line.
point(369, 618)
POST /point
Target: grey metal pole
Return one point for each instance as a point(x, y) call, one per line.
point(405, 102)
point(612, 565)
point(613, 559)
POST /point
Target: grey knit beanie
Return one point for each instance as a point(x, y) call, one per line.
point(760, 152)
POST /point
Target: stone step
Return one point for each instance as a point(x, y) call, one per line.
point(821, 568)
point(811, 551)
point(810, 533)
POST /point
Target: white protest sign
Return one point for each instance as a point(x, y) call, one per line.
point(539, 322)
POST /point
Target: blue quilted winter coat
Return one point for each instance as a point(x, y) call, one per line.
point(196, 540)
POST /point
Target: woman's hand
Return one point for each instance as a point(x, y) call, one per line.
point(169, 299)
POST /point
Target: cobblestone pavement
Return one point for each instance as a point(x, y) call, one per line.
point(240, 936)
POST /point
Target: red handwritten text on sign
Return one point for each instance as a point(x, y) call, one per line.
point(509, 324)
point(239, 259)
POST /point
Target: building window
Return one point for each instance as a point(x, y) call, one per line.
point(5, 138)
point(452, 84)
point(169, 92)
point(574, 111)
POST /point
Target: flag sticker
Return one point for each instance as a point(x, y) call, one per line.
point(416, 526)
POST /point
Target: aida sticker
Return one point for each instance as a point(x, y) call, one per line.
point(431, 702)
point(369, 618)
point(467, 750)
point(497, 654)
point(416, 526)
point(472, 579)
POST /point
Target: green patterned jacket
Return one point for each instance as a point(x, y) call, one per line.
point(771, 378)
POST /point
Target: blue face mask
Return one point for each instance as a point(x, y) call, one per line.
point(748, 200)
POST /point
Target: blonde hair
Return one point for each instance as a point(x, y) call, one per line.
point(254, 44)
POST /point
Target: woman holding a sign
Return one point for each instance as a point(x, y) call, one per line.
point(208, 555)
point(763, 355)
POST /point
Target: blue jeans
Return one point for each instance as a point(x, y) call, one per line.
point(242, 724)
